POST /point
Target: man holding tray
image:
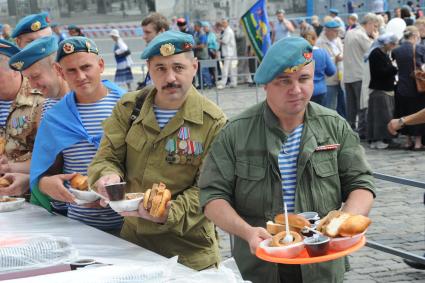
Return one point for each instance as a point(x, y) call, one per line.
point(285, 148)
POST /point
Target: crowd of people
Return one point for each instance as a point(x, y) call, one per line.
point(59, 118)
point(364, 71)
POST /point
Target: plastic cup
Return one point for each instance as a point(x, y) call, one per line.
point(308, 233)
point(311, 216)
point(116, 191)
point(317, 245)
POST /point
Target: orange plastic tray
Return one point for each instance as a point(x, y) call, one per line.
point(304, 258)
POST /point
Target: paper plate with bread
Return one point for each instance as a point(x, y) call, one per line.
point(154, 199)
point(80, 189)
point(336, 235)
point(9, 203)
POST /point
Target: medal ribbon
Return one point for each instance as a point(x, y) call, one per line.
point(184, 133)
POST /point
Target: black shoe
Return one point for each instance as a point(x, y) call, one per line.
point(414, 264)
point(394, 145)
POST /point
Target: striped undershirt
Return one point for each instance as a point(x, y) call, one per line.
point(47, 104)
point(287, 159)
point(78, 156)
point(163, 116)
point(4, 111)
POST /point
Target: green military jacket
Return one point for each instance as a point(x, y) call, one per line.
point(242, 168)
point(138, 154)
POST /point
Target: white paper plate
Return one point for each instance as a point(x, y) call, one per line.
point(12, 205)
point(125, 205)
point(87, 196)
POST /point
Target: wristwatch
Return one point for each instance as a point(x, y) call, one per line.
point(401, 122)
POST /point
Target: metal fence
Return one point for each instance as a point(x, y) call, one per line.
point(388, 249)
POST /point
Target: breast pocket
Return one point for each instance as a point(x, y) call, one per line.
point(325, 185)
point(325, 163)
point(249, 192)
point(136, 138)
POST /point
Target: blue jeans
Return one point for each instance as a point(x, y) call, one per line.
point(336, 99)
point(206, 77)
point(319, 98)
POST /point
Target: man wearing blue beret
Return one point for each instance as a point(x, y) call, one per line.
point(70, 133)
point(20, 110)
point(30, 28)
point(284, 150)
point(161, 134)
point(334, 15)
point(37, 62)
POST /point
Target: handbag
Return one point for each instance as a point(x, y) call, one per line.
point(418, 74)
point(124, 54)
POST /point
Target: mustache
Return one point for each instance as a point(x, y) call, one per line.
point(171, 85)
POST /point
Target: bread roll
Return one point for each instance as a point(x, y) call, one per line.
point(155, 199)
point(4, 183)
point(159, 202)
point(339, 223)
point(146, 199)
point(295, 220)
point(274, 228)
point(277, 240)
point(354, 225)
point(2, 145)
point(80, 182)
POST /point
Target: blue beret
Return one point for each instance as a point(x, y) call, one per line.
point(31, 23)
point(285, 56)
point(7, 48)
point(76, 44)
point(334, 11)
point(168, 43)
point(332, 24)
point(33, 52)
point(72, 26)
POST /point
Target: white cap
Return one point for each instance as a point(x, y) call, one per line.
point(114, 32)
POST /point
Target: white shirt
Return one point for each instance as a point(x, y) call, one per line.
point(228, 43)
point(122, 47)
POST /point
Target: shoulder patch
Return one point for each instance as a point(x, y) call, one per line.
point(130, 97)
point(212, 109)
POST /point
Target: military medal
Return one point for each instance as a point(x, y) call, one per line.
point(198, 151)
point(183, 159)
point(170, 158)
point(183, 135)
point(190, 151)
point(182, 145)
point(25, 126)
point(176, 159)
point(327, 147)
point(170, 147)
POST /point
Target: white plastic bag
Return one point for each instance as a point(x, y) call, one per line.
point(28, 252)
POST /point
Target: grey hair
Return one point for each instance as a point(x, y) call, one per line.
point(370, 17)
